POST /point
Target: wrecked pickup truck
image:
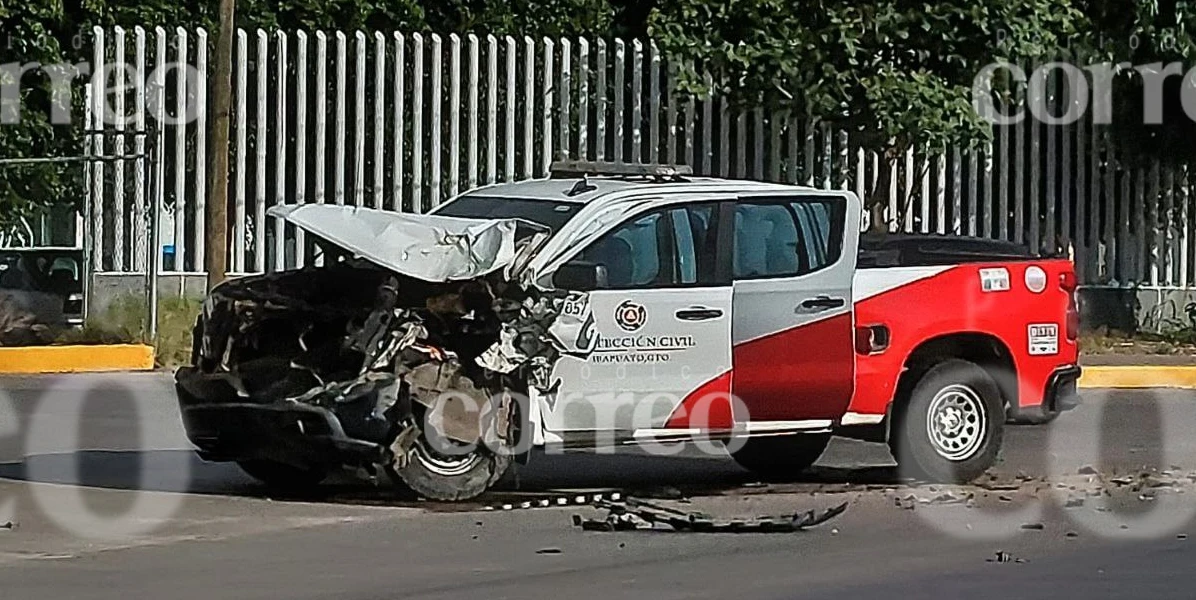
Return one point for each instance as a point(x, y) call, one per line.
point(643, 306)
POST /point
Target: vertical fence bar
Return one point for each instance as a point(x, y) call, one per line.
point(691, 125)
point(379, 119)
point(341, 149)
point(987, 182)
point(1142, 200)
point(637, 95)
point(956, 192)
point(973, 189)
point(1080, 243)
point(670, 96)
point(471, 132)
point(201, 149)
point(741, 144)
point(1065, 180)
point(509, 133)
point(1185, 212)
point(583, 99)
point(321, 117)
point(259, 145)
point(566, 98)
point(180, 155)
point(359, 121)
point(1035, 160)
point(758, 143)
point(417, 122)
point(1165, 220)
point(280, 150)
point(491, 109)
point(774, 160)
point(907, 195)
point(808, 154)
point(1051, 197)
point(927, 163)
point(240, 216)
point(140, 237)
point(400, 120)
point(724, 139)
point(707, 127)
point(791, 135)
point(1003, 181)
point(118, 150)
point(435, 124)
point(548, 95)
point(301, 157)
point(619, 106)
point(1125, 246)
point(529, 107)
point(1149, 235)
point(454, 114)
point(654, 104)
point(940, 161)
point(1095, 201)
point(600, 105)
point(97, 146)
point(1110, 195)
point(159, 183)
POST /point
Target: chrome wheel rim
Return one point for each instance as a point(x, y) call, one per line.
point(445, 465)
point(956, 423)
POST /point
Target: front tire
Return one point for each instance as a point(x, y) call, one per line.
point(779, 458)
point(450, 478)
point(951, 429)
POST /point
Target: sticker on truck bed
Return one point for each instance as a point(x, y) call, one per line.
point(1044, 339)
point(994, 280)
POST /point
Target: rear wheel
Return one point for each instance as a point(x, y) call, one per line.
point(283, 477)
point(781, 457)
point(951, 428)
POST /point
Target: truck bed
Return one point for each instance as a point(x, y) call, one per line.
point(916, 250)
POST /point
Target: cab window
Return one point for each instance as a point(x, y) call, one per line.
point(669, 247)
point(786, 238)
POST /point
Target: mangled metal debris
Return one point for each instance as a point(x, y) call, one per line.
point(417, 336)
point(633, 514)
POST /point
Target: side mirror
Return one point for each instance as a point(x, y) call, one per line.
point(580, 276)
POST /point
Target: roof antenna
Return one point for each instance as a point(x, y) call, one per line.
point(582, 186)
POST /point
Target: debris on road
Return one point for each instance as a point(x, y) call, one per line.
point(548, 551)
point(1005, 557)
point(1032, 526)
point(634, 515)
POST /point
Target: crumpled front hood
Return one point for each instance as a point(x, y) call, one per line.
point(429, 247)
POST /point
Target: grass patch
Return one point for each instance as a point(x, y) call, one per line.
point(123, 322)
point(1177, 341)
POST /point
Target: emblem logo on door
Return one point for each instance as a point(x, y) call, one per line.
point(630, 315)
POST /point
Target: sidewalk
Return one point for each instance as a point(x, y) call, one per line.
point(1138, 371)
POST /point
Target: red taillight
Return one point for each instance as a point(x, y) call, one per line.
point(1067, 281)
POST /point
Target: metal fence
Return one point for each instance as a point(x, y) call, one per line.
point(404, 121)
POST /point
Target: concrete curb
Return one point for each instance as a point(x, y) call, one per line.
point(1138, 377)
point(76, 359)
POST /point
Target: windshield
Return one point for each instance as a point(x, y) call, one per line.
point(552, 215)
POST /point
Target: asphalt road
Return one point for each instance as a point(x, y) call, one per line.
point(107, 502)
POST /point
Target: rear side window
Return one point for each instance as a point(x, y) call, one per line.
point(786, 238)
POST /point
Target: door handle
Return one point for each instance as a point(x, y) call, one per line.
point(820, 303)
point(698, 313)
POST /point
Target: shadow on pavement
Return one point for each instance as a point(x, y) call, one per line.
point(183, 472)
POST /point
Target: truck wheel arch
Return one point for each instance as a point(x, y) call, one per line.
point(983, 349)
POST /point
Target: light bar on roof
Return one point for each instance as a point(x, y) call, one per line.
point(577, 168)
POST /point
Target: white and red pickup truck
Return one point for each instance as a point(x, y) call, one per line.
point(639, 305)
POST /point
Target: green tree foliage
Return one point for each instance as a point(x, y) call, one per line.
point(894, 73)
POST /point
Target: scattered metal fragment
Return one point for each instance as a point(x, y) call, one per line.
point(1005, 557)
point(1033, 526)
point(1074, 502)
point(1182, 536)
point(548, 551)
point(633, 514)
point(1087, 470)
point(1072, 534)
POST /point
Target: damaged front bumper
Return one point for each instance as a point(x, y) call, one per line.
point(226, 427)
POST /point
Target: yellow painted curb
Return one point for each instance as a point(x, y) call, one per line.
point(76, 359)
point(1139, 376)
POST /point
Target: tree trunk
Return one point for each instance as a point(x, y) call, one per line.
point(217, 218)
point(878, 197)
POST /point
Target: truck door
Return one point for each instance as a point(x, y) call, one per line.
point(793, 261)
point(662, 325)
